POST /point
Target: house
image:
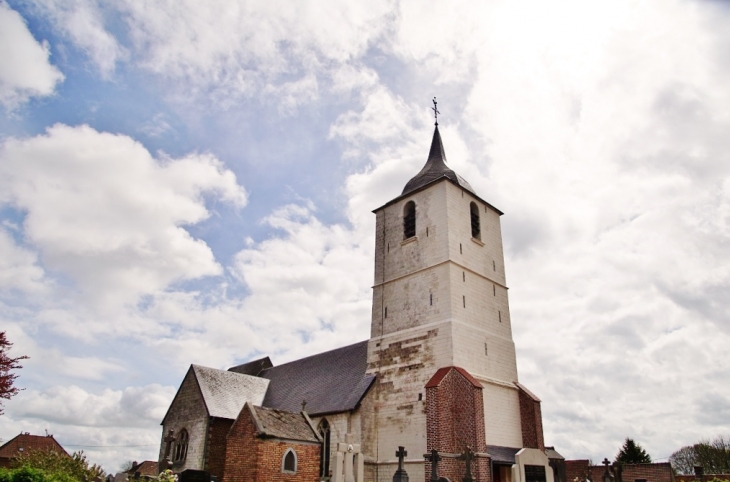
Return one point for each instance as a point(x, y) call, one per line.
point(24, 443)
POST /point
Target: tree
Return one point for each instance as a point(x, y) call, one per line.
point(54, 463)
point(713, 456)
point(7, 379)
point(684, 460)
point(632, 453)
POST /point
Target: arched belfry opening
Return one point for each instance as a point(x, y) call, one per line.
point(324, 459)
point(409, 220)
point(476, 230)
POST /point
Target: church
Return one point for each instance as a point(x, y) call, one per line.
point(438, 372)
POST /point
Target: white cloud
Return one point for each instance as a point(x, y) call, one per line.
point(111, 426)
point(230, 50)
point(19, 269)
point(83, 23)
point(103, 211)
point(25, 71)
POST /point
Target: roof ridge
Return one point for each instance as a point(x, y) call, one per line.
point(313, 356)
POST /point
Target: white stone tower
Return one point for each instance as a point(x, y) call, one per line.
point(439, 300)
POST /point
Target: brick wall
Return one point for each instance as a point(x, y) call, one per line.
point(578, 469)
point(455, 420)
point(531, 417)
point(249, 458)
point(241, 455)
point(704, 478)
point(215, 456)
point(657, 472)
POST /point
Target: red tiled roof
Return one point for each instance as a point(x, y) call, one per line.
point(442, 372)
point(148, 467)
point(26, 442)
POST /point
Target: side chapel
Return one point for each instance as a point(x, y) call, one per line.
point(438, 373)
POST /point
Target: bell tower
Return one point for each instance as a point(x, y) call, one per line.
point(439, 300)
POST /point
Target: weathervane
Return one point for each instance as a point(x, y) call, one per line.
point(435, 111)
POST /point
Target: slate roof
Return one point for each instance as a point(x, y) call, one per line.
point(282, 424)
point(333, 381)
point(253, 367)
point(553, 454)
point(25, 442)
point(503, 455)
point(436, 168)
point(226, 392)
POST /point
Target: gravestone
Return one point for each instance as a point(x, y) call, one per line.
point(349, 462)
point(434, 458)
point(467, 456)
point(192, 475)
point(400, 474)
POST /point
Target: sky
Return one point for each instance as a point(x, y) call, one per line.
point(192, 182)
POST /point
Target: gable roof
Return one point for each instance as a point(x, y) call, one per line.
point(148, 467)
point(26, 442)
point(253, 367)
point(225, 393)
point(333, 381)
point(441, 373)
point(271, 423)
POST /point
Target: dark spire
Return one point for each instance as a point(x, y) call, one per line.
point(435, 168)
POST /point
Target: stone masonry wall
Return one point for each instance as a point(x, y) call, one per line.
point(188, 412)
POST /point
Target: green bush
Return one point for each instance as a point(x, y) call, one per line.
point(29, 474)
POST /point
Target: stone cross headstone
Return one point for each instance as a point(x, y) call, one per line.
point(400, 475)
point(434, 458)
point(467, 456)
point(607, 476)
point(349, 462)
point(166, 463)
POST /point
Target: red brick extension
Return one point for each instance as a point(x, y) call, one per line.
point(455, 420)
point(249, 458)
point(531, 417)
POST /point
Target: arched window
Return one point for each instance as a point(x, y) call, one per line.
point(476, 231)
point(409, 220)
point(181, 446)
point(289, 462)
point(324, 459)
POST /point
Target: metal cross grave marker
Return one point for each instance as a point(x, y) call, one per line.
point(434, 458)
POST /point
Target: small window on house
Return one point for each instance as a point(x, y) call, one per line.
point(476, 231)
point(289, 462)
point(181, 446)
point(409, 220)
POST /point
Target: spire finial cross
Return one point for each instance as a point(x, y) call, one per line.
point(435, 111)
